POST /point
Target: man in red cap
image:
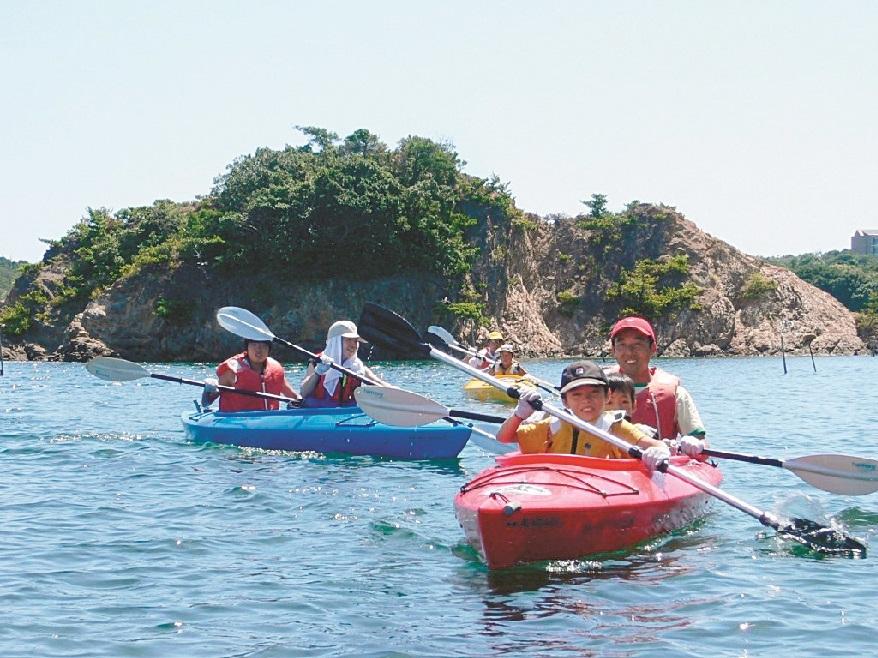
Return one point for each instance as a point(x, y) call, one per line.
point(660, 400)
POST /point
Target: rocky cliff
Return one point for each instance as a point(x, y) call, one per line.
point(546, 284)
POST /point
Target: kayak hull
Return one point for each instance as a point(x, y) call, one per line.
point(531, 508)
point(479, 390)
point(328, 430)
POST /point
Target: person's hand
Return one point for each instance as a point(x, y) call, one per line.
point(653, 457)
point(324, 365)
point(210, 392)
point(691, 446)
point(529, 400)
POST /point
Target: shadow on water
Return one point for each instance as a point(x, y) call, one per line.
point(659, 559)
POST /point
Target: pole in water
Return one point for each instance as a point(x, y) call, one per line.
point(1, 349)
point(783, 355)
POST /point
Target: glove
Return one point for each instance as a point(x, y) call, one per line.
point(210, 392)
point(654, 456)
point(324, 365)
point(528, 401)
point(691, 446)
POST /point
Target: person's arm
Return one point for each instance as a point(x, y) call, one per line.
point(630, 433)
point(508, 430)
point(289, 391)
point(309, 383)
point(528, 400)
point(688, 418)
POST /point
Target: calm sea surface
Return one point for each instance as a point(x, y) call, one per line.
point(120, 538)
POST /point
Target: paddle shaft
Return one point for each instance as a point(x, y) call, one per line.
point(752, 459)
point(764, 518)
point(227, 389)
point(315, 357)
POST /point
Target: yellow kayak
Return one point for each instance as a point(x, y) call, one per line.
point(476, 388)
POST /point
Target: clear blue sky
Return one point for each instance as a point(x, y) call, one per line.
point(756, 119)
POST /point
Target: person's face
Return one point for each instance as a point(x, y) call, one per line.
point(492, 345)
point(620, 400)
point(257, 353)
point(349, 347)
point(632, 351)
point(586, 402)
point(506, 359)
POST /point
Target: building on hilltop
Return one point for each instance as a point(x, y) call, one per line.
point(865, 241)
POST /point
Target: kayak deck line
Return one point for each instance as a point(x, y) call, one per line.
point(485, 480)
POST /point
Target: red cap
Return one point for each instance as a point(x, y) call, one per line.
point(638, 324)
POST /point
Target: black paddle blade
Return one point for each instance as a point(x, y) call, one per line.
point(390, 331)
point(823, 539)
point(437, 342)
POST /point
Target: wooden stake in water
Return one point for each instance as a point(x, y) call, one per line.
point(783, 355)
point(1, 352)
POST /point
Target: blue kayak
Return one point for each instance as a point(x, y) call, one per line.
point(329, 429)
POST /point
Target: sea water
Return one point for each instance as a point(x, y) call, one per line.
point(118, 537)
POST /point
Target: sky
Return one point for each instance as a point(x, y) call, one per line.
point(755, 119)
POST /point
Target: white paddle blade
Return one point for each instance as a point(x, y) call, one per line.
point(394, 406)
point(839, 474)
point(243, 323)
point(444, 334)
point(115, 370)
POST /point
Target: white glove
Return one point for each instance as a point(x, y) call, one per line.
point(210, 392)
point(324, 366)
point(691, 446)
point(654, 456)
point(529, 400)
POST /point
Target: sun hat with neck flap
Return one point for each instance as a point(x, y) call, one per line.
point(345, 329)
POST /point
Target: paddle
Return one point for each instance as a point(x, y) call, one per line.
point(439, 337)
point(395, 406)
point(245, 324)
point(120, 370)
point(839, 474)
point(384, 327)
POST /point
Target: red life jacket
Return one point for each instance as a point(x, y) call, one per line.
point(656, 405)
point(270, 381)
point(344, 392)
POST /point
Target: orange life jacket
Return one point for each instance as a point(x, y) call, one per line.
point(656, 405)
point(270, 381)
point(344, 392)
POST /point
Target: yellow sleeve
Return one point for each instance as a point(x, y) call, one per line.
point(628, 432)
point(532, 437)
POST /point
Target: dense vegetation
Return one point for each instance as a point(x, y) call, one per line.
point(8, 274)
point(333, 208)
point(849, 277)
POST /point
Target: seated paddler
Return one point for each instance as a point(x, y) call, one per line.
point(584, 392)
point(325, 386)
point(506, 363)
point(252, 370)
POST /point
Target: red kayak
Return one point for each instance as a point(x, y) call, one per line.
point(537, 507)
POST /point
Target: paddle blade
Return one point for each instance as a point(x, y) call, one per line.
point(823, 539)
point(390, 331)
point(115, 370)
point(243, 323)
point(394, 406)
point(840, 474)
point(442, 334)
